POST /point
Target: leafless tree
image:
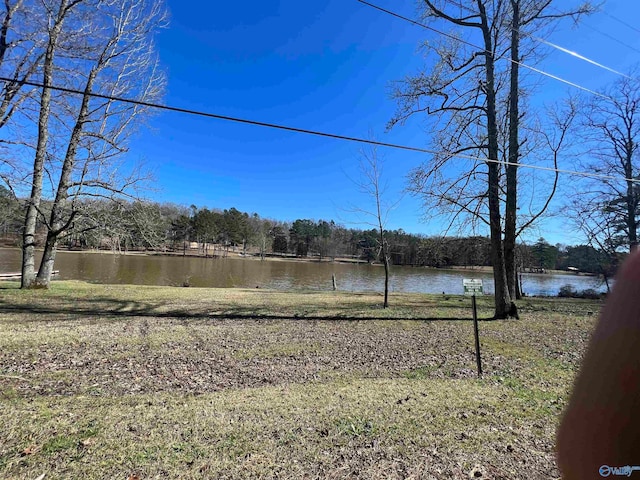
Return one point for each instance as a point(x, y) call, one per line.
point(371, 184)
point(607, 209)
point(94, 46)
point(612, 133)
point(20, 58)
point(600, 227)
point(468, 93)
point(549, 142)
point(527, 16)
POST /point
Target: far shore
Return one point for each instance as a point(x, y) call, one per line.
point(489, 269)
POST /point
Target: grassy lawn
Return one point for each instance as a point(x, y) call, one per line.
point(125, 382)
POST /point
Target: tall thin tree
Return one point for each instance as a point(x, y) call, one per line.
point(94, 46)
point(467, 91)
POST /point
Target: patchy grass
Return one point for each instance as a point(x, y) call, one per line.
point(101, 381)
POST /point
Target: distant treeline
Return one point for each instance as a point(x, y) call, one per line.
point(123, 226)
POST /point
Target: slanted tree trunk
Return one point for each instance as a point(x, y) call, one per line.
point(33, 204)
point(121, 49)
point(57, 222)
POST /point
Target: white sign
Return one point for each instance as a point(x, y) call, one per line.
point(472, 286)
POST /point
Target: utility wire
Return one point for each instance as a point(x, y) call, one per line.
point(466, 42)
point(621, 21)
point(550, 44)
point(610, 37)
point(316, 132)
point(605, 34)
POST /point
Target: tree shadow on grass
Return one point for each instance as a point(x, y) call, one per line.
point(110, 308)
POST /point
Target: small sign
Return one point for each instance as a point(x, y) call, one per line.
point(472, 286)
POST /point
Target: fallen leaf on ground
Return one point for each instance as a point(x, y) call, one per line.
point(30, 450)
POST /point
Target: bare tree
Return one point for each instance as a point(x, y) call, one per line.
point(462, 92)
point(55, 22)
point(370, 184)
point(93, 46)
point(601, 227)
point(260, 232)
point(467, 93)
point(612, 132)
point(607, 209)
point(525, 15)
point(20, 58)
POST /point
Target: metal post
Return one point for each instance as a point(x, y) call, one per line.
point(475, 329)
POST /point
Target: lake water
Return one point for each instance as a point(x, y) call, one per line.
point(279, 275)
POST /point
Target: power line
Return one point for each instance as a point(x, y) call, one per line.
point(466, 42)
point(553, 45)
point(611, 37)
point(621, 21)
point(317, 133)
point(546, 42)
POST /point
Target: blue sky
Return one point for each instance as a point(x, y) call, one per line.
point(321, 66)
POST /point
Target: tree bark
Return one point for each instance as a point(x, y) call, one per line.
point(502, 300)
point(512, 168)
point(631, 197)
point(33, 206)
point(57, 224)
point(385, 260)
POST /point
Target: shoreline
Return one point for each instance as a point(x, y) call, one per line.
point(489, 269)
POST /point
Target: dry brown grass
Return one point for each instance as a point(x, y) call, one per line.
point(113, 381)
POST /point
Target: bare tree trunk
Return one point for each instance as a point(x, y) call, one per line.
point(385, 261)
point(33, 206)
point(512, 168)
point(56, 222)
point(503, 305)
point(46, 264)
point(631, 200)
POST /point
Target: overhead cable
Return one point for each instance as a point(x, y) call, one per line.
point(628, 25)
point(610, 37)
point(466, 42)
point(319, 133)
point(547, 42)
